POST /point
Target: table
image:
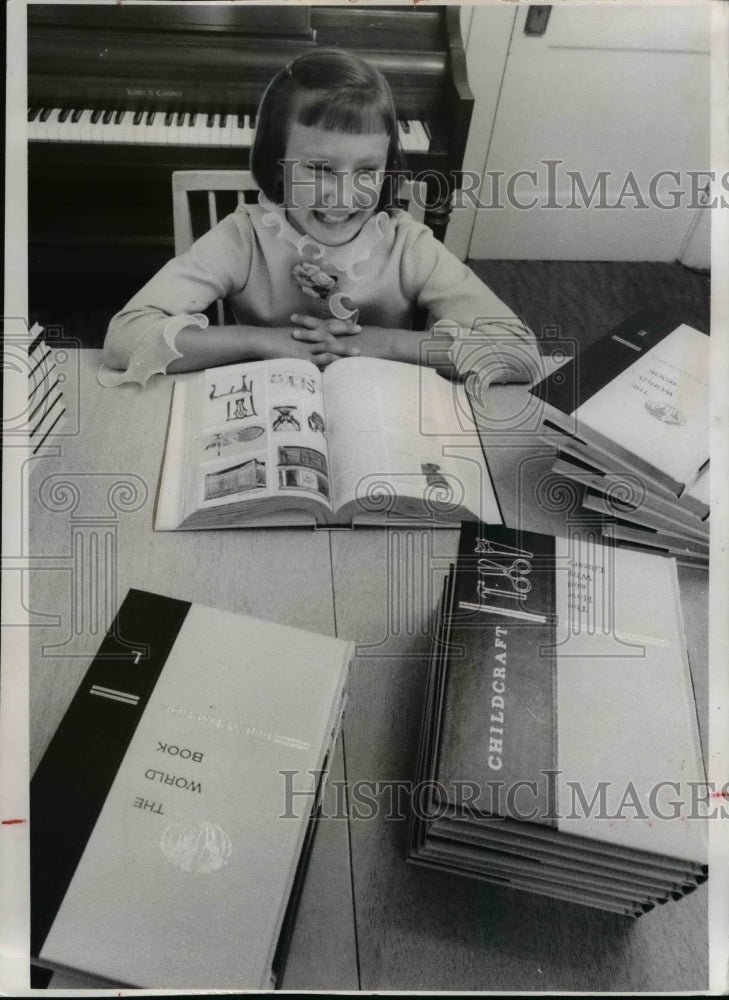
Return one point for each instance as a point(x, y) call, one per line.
point(367, 920)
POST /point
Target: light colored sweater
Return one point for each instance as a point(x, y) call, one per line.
point(267, 271)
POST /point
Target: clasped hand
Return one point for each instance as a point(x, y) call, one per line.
point(325, 339)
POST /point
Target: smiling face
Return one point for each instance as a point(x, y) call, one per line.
point(332, 181)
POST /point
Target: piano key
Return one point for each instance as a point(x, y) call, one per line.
point(127, 127)
point(38, 127)
point(243, 132)
point(138, 126)
point(423, 143)
point(168, 128)
point(214, 130)
point(226, 137)
point(201, 137)
point(85, 126)
point(68, 130)
point(121, 126)
point(105, 127)
point(32, 126)
point(160, 134)
point(405, 141)
point(105, 130)
point(145, 130)
point(199, 130)
point(96, 133)
point(152, 126)
point(206, 134)
point(202, 134)
point(48, 124)
point(416, 136)
point(219, 131)
point(172, 129)
point(53, 126)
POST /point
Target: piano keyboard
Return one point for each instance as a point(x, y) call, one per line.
point(170, 128)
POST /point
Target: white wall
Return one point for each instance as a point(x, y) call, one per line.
point(620, 90)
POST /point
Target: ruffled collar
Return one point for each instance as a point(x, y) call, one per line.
point(344, 258)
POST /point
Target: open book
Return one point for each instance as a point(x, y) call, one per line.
point(278, 442)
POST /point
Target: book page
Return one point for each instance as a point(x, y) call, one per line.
point(401, 431)
point(260, 432)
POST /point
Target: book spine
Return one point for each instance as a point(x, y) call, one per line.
point(73, 779)
point(575, 448)
point(502, 668)
point(627, 496)
point(641, 517)
point(594, 368)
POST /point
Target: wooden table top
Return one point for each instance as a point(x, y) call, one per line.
point(368, 920)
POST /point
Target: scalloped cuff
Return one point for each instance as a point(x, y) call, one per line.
point(153, 353)
point(507, 357)
point(449, 330)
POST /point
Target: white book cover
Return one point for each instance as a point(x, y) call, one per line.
point(179, 874)
point(640, 393)
point(658, 410)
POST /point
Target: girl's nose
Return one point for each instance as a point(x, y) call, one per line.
point(346, 191)
point(337, 190)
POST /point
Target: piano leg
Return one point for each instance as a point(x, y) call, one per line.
point(441, 189)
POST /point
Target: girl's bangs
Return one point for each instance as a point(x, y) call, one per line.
point(350, 117)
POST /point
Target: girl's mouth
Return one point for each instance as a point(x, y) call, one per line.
point(333, 218)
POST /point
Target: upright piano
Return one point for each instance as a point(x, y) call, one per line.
point(120, 96)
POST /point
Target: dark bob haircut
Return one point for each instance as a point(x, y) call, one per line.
point(332, 89)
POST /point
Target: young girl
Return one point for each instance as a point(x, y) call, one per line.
point(323, 267)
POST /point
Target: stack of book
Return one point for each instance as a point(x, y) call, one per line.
point(629, 416)
point(163, 851)
point(560, 751)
